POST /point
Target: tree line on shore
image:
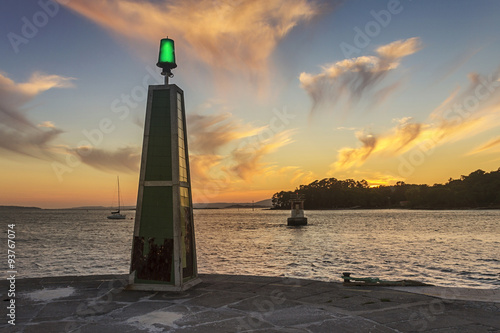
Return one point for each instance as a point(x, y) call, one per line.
point(479, 189)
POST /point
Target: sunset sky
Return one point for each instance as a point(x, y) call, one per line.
point(278, 93)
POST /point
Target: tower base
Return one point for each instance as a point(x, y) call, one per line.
point(161, 286)
point(295, 221)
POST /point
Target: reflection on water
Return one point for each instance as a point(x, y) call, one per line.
point(458, 248)
point(449, 248)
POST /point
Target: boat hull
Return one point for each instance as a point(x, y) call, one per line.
point(117, 217)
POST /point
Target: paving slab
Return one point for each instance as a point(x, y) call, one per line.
point(206, 317)
point(349, 325)
point(59, 326)
point(238, 303)
point(467, 294)
point(263, 304)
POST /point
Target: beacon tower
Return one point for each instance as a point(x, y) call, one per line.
point(164, 248)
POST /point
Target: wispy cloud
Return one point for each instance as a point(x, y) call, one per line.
point(248, 158)
point(209, 132)
point(352, 79)
point(125, 159)
point(233, 36)
point(47, 124)
point(463, 114)
point(227, 152)
point(19, 134)
point(481, 92)
point(443, 71)
point(350, 156)
point(204, 168)
point(488, 146)
point(301, 176)
point(40, 82)
point(33, 143)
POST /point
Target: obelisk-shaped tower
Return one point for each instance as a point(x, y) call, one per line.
point(164, 248)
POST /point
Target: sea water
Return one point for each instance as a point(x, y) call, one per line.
point(445, 248)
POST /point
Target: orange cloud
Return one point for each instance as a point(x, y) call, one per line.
point(18, 134)
point(39, 82)
point(300, 177)
point(248, 157)
point(352, 78)
point(462, 114)
point(226, 153)
point(202, 166)
point(47, 124)
point(494, 143)
point(399, 49)
point(350, 156)
point(234, 36)
point(124, 159)
point(208, 133)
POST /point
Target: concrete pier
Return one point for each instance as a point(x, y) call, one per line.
point(228, 303)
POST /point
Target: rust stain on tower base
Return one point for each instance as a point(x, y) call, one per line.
point(157, 263)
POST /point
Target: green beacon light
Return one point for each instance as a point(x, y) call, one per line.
point(166, 58)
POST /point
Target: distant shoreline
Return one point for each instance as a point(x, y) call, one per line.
point(17, 208)
point(398, 208)
point(73, 208)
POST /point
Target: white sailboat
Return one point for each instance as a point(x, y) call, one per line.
point(117, 215)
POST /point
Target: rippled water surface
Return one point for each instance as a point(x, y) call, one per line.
point(448, 248)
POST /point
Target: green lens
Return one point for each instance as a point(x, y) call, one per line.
point(167, 51)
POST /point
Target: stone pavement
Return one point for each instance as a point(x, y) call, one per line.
point(228, 303)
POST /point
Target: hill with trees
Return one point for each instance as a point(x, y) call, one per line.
point(480, 189)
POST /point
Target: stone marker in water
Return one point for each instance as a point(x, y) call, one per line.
point(297, 206)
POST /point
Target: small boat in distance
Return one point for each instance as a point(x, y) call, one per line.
point(116, 215)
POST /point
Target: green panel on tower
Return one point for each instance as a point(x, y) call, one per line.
point(159, 166)
point(156, 208)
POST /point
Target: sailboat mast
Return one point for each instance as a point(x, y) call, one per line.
point(118, 180)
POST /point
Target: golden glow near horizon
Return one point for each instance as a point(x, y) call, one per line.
point(366, 95)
